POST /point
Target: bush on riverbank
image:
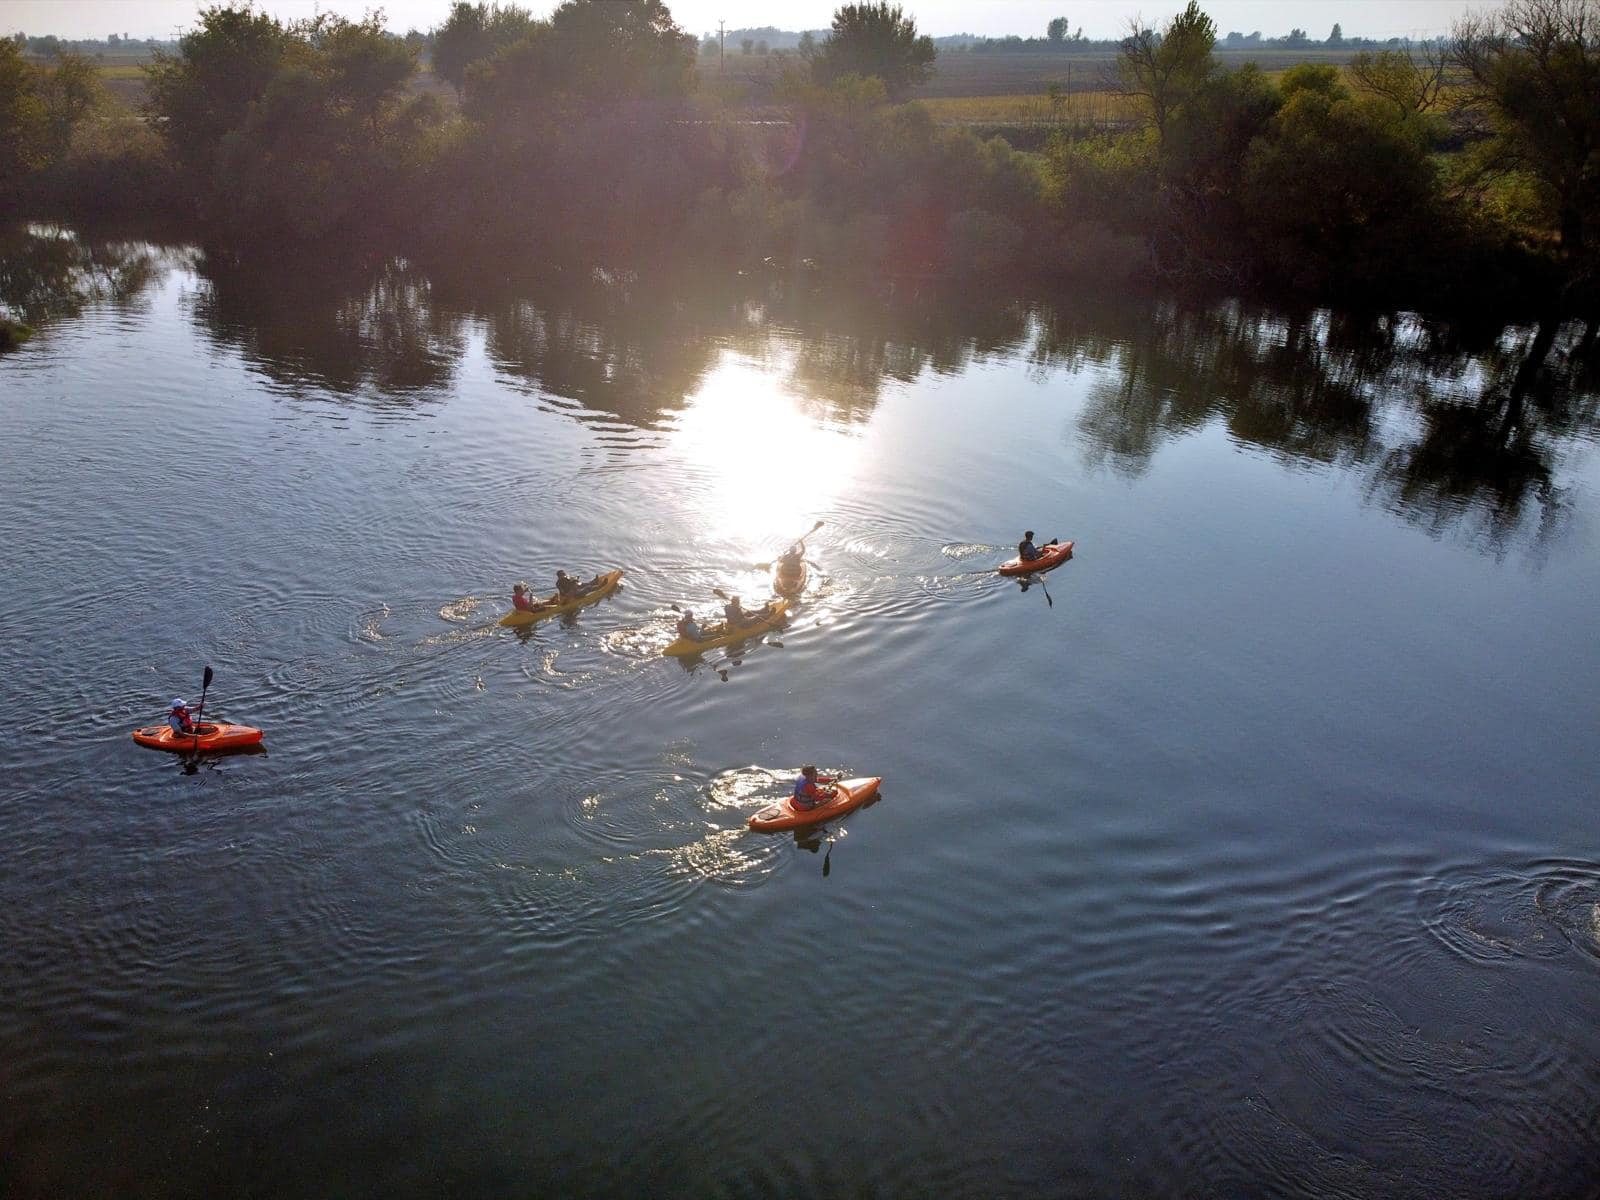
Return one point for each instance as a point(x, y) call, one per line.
point(13, 333)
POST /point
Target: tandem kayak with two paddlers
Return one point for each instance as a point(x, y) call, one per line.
point(721, 635)
point(553, 606)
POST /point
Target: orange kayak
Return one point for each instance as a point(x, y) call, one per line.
point(848, 794)
point(1049, 556)
point(790, 583)
point(213, 735)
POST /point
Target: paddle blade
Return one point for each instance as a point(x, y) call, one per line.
point(206, 679)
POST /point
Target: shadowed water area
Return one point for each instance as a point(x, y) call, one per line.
point(1253, 851)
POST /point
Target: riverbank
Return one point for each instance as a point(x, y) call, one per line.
point(1308, 186)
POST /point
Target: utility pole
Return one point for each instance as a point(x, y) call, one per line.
point(722, 52)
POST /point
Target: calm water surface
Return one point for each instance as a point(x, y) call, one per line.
point(1253, 853)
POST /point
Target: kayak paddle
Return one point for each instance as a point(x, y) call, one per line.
point(205, 683)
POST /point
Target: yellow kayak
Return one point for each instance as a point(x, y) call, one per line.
point(548, 607)
point(718, 635)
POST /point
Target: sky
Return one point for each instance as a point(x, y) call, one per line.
point(993, 18)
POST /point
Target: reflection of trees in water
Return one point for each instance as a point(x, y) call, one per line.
point(639, 347)
point(1445, 424)
point(1291, 385)
point(851, 343)
point(1493, 451)
point(47, 273)
point(374, 333)
point(614, 345)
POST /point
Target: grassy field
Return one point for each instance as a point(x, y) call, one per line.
point(990, 75)
point(967, 88)
point(1098, 109)
point(971, 74)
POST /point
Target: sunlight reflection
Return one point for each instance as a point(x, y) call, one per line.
point(771, 467)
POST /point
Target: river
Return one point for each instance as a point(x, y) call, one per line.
point(1253, 851)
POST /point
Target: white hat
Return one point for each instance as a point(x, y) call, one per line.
point(179, 704)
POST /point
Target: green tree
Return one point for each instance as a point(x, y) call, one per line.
point(1165, 68)
point(875, 41)
point(473, 33)
point(365, 69)
point(72, 92)
point(1411, 82)
point(24, 121)
point(1532, 86)
point(592, 53)
point(1339, 192)
point(1056, 31)
point(197, 96)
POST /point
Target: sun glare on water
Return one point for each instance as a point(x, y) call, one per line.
point(770, 467)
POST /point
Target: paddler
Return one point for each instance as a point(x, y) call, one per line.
point(791, 560)
point(812, 789)
point(1027, 551)
point(689, 628)
point(522, 599)
point(734, 614)
point(568, 588)
point(178, 718)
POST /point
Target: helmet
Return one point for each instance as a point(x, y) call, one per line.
point(178, 703)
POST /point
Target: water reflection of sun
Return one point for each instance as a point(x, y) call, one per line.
point(769, 467)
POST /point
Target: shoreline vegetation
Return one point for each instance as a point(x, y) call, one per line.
point(1462, 176)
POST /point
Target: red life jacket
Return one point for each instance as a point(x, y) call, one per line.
point(807, 794)
point(185, 724)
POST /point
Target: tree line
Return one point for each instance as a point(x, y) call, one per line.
point(1466, 174)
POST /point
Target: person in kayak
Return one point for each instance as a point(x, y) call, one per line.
point(1027, 551)
point(812, 789)
point(734, 614)
point(689, 628)
point(568, 588)
point(522, 599)
point(790, 561)
point(178, 718)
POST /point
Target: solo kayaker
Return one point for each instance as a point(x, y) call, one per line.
point(689, 628)
point(178, 718)
point(790, 560)
point(1027, 551)
point(812, 789)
